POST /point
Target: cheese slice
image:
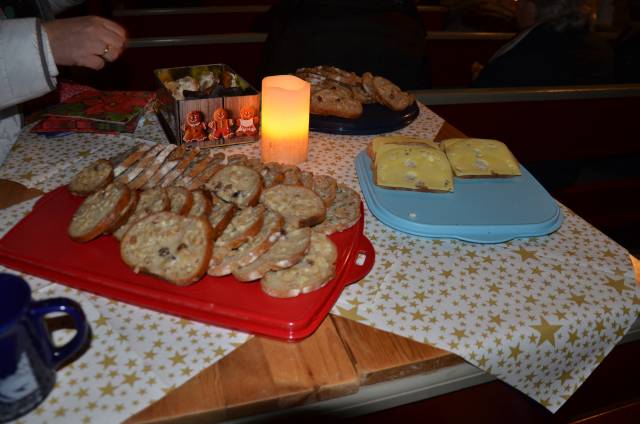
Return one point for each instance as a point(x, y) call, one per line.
point(476, 157)
point(378, 142)
point(390, 146)
point(413, 167)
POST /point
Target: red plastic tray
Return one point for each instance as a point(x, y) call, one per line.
point(39, 245)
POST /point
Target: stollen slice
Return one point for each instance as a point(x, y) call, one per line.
point(171, 177)
point(237, 184)
point(325, 187)
point(152, 167)
point(316, 269)
point(238, 159)
point(121, 164)
point(299, 206)
point(173, 247)
point(126, 213)
point(196, 161)
point(137, 168)
point(199, 181)
point(180, 199)
point(116, 159)
point(249, 251)
point(391, 95)
point(312, 77)
point(255, 164)
point(203, 171)
point(220, 156)
point(196, 167)
point(201, 203)
point(150, 201)
point(244, 224)
point(98, 212)
point(92, 178)
point(306, 179)
point(367, 85)
point(287, 251)
point(220, 215)
point(335, 101)
point(362, 95)
point(172, 161)
point(333, 73)
point(343, 213)
point(283, 167)
point(271, 176)
point(292, 176)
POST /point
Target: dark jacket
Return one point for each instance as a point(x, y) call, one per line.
point(384, 37)
point(545, 56)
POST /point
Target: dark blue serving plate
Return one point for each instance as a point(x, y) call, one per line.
point(375, 119)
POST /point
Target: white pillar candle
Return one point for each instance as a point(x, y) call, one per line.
point(285, 119)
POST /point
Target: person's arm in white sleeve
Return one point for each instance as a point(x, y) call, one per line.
point(27, 67)
point(29, 52)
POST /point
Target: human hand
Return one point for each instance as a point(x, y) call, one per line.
point(87, 41)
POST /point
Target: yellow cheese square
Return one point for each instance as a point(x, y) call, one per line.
point(390, 146)
point(379, 142)
point(476, 157)
point(413, 167)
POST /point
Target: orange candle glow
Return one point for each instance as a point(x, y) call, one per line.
point(285, 119)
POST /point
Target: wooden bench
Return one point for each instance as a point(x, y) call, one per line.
point(162, 22)
point(172, 34)
point(232, 32)
point(451, 55)
point(589, 130)
point(220, 18)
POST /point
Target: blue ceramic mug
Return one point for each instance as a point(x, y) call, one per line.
point(28, 357)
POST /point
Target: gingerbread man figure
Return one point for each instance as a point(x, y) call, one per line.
point(220, 124)
point(194, 129)
point(247, 122)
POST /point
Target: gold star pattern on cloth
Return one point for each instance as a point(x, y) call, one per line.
point(137, 355)
point(46, 163)
point(537, 313)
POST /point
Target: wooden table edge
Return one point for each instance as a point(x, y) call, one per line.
point(12, 193)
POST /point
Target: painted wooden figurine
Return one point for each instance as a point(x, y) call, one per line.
point(194, 129)
point(247, 122)
point(220, 124)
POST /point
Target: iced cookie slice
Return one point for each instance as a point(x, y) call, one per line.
point(315, 270)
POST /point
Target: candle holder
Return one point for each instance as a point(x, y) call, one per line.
point(285, 119)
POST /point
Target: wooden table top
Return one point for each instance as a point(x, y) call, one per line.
point(265, 374)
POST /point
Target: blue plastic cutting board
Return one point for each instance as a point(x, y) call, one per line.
point(482, 210)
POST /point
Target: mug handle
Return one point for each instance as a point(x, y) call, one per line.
point(39, 309)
